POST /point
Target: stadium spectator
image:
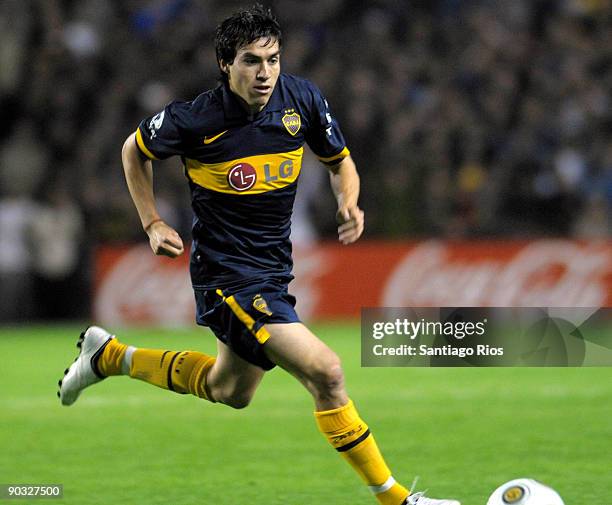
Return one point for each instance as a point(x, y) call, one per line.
point(57, 233)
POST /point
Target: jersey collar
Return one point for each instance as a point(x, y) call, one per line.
point(233, 109)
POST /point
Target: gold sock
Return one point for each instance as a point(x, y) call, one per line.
point(189, 373)
point(179, 371)
point(109, 363)
point(351, 437)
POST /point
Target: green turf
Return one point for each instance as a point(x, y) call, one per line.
point(464, 431)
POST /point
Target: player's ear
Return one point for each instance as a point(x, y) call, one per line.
point(224, 66)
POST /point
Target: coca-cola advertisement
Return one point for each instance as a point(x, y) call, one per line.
point(133, 286)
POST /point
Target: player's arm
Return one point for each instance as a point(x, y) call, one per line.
point(345, 185)
point(164, 240)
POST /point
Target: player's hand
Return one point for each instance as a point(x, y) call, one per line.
point(164, 240)
point(351, 221)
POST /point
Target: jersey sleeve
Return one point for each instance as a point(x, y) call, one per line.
point(163, 135)
point(323, 135)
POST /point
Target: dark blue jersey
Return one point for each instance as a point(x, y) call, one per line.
point(243, 172)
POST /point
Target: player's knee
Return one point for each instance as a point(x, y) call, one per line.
point(334, 379)
point(238, 402)
point(329, 380)
point(236, 398)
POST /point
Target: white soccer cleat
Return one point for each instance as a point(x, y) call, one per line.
point(84, 372)
point(421, 499)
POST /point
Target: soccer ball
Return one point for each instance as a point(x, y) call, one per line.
point(524, 492)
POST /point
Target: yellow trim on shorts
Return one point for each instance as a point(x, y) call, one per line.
point(341, 155)
point(262, 335)
point(141, 144)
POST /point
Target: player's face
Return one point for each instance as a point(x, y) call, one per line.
point(254, 72)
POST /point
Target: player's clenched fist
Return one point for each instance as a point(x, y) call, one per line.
point(164, 240)
point(351, 221)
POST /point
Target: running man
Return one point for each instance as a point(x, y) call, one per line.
point(242, 144)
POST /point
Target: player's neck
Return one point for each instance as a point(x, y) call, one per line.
point(251, 110)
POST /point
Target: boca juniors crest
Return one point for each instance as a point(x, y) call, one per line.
point(292, 121)
point(260, 304)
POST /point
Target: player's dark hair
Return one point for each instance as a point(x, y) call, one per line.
point(243, 28)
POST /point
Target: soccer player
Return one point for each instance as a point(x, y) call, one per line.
point(241, 144)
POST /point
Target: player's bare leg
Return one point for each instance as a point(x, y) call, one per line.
point(232, 380)
point(297, 350)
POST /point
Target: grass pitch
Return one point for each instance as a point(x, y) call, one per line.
point(464, 431)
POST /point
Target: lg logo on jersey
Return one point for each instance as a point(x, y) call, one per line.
point(285, 170)
point(243, 176)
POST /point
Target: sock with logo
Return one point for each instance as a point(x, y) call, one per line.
point(180, 371)
point(351, 437)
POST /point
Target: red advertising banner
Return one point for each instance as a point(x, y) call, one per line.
point(332, 281)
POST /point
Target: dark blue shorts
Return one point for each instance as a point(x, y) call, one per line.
point(237, 316)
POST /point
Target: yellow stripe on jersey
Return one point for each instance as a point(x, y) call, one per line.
point(249, 175)
point(143, 148)
point(341, 155)
point(262, 335)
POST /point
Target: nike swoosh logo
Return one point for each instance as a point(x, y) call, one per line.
point(208, 140)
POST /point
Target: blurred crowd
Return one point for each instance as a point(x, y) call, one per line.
point(467, 118)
